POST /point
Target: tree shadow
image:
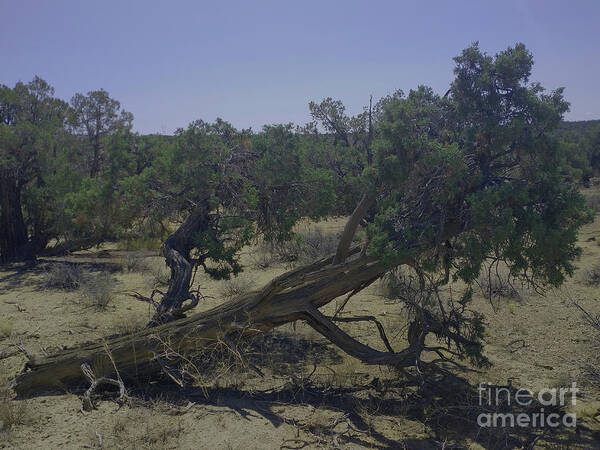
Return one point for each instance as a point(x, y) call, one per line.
point(446, 403)
point(21, 273)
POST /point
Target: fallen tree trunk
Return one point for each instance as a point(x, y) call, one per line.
point(295, 295)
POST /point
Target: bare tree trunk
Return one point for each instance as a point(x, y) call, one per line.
point(366, 202)
point(176, 250)
point(13, 232)
point(295, 295)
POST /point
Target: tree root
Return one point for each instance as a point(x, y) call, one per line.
point(87, 404)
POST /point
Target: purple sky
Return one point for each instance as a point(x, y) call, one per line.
point(256, 62)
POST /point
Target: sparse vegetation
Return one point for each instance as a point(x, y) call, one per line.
point(306, 246)
point(413, 199)
point(98, 290)
point(6, 327)
point(592, 276)
point(493, 286)
point(236, 286)
point(12, 412)
point(64, 276)
point(160, 275)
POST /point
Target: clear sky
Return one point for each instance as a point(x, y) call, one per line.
point(256, 62)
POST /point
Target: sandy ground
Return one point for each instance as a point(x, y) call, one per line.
point(534, 341)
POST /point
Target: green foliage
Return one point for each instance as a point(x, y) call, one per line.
point(31, 132)
point(580, 141)
point(478, 176)
point(475, 175)
point(61, 167)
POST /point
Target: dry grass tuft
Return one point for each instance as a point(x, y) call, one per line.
point(592, 276)
point(308, 246)
point(134, 262)
point(495, 286)
point(98, 290)
point(63, 276)
point(160, 275)
point(12, 412)
point(237, 286)
point(6, 327)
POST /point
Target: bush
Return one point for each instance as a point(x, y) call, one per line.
point(134, 262)
point(236, 286)
point(98, 290)
point(161, 275)
point(12, 412)
point(6, 328)
point(63, 276)
point(593, 201)
point(262, 257)
point(306, 247)
point(592, 276)
point(399, 284)
point(495, 286)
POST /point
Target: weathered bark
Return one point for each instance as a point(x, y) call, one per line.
point(367, 200)
point(13, 231)
point(295, 295)
point(176, 250)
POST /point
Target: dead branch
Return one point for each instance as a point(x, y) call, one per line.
point(88, 405)
point(369, 319)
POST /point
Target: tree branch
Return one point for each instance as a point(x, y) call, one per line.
point(351, 346)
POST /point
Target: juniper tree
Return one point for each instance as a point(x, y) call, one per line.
point(31, 138)
point(457, 181)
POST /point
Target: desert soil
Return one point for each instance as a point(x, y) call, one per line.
point(533, 341)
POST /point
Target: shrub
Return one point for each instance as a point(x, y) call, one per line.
point(161, 275)
point(306, 247)
point(262, 257)
point(134, 262)
point(12, 412)
point(496, 286)
point(6, 328)
point(98, 290)
point(236, 286)
point(63, 276)
point(592, 276)
point(398, 284)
